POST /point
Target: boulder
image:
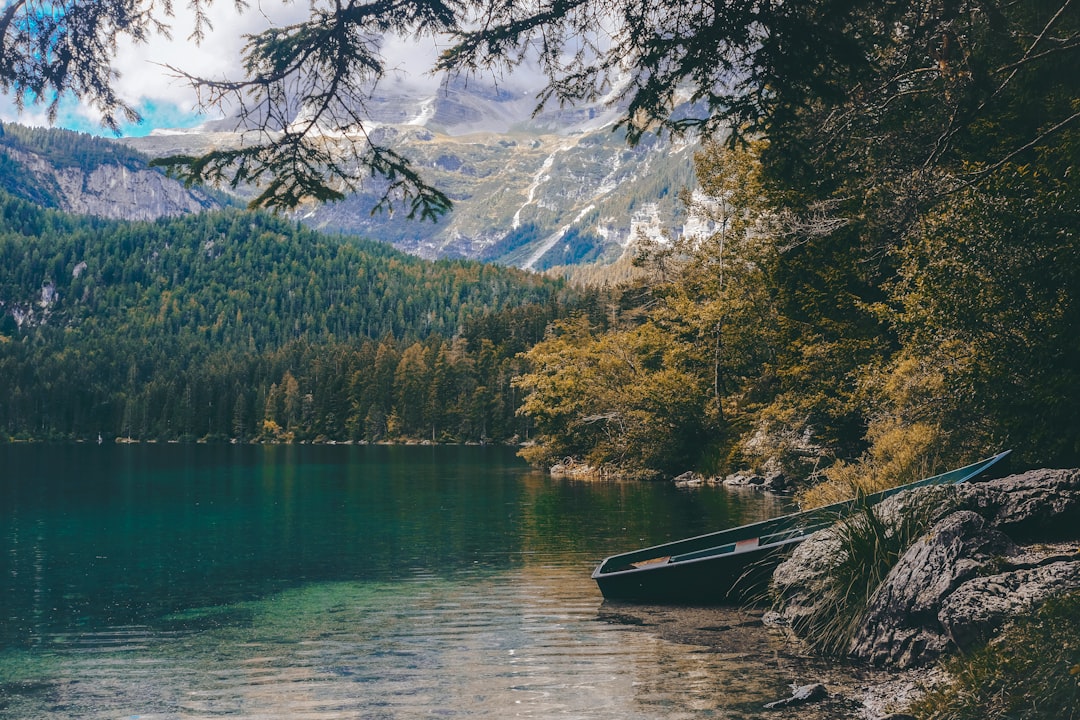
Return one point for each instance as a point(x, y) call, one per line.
point(744, 480)
point(1036, 505)
point(959, 583)
point(900, 627)
point(978, 608)
point(689, 479)
point(799, 582)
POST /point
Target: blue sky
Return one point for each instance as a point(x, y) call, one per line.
point(147, 85)
point(166, 102)
point(73, 116)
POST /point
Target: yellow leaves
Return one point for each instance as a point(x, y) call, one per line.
point(613, 398)
point(898, 453)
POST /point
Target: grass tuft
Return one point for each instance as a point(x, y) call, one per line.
point(869, 545)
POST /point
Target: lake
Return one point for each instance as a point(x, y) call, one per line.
point(197, 581)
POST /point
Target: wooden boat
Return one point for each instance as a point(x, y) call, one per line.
point(734, 565)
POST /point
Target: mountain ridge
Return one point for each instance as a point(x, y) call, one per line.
point(85, 175)
point(532, 189)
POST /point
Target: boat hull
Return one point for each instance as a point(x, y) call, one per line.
point(734, 566)
point(733, 579)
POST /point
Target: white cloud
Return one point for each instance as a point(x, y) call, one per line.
point(147, 84)
point(166, 101)
point(145, 79)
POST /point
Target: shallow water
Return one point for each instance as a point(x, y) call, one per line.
point(351, 582)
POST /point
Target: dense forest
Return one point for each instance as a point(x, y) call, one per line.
point(241, 325)
point(894, 279)
point(894, 283)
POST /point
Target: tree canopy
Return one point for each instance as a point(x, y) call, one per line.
point(850, 72)
point(241, 325)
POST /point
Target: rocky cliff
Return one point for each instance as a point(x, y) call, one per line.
point(90, 176)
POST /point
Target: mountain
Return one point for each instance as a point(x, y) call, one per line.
point(555, 188)
point(82, 174)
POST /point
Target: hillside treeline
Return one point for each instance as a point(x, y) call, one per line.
point(781, 342)
point(242, 325)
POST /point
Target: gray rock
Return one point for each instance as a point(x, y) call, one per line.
point(689, 479)
point(900, 627)
point(1036, 505)
point(115, 191)
point(744, 480)
point(799, 582)
point(802, 695)
point(981, 606)
point(775, 482)
point(960, 582)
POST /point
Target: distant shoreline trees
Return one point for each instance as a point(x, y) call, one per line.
point(233, 325)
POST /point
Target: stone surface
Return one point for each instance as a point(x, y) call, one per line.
point(900, 627)
point(115, 191)
point(1036, 505)
point(744, 480)
point(799, 581)
point(981, 606)
point(802, 695)
point(689, 479)
point(962, 580)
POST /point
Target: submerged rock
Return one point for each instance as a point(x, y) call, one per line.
point(802, 695)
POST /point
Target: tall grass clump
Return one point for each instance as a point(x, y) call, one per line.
point(868, 544)
point(1030, 672)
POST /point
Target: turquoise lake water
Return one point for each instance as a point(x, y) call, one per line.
point(192, 581)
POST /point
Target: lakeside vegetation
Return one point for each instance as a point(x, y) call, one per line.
point(1031, 672)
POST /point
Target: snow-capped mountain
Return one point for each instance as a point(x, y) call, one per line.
point(558, 187)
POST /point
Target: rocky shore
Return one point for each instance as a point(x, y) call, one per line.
point(993, 552)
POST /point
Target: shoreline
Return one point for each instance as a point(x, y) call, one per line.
point(854, 691)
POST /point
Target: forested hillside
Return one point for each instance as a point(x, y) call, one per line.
point(241, 325)
point(783, 342)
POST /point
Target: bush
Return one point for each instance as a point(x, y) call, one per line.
point(898, 454)
point(1031, 672)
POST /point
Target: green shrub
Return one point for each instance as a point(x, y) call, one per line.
point(1031, 672)
point(870, 544)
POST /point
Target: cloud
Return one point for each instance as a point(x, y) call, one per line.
point(167, 101)
point(145, 79)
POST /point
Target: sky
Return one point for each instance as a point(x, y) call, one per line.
point(167, 102)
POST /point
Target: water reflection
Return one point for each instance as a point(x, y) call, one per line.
point(181, 582)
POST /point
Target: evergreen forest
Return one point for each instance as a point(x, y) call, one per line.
point(239, 325)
